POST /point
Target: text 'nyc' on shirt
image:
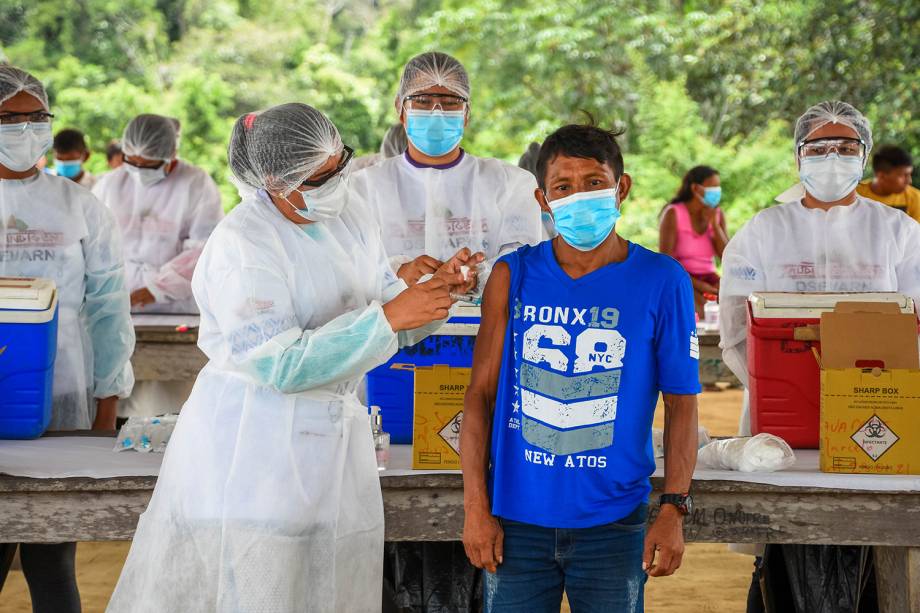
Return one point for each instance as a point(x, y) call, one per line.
point(583, 364)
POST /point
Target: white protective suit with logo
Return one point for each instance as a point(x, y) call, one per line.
point(165, 227)
point(863, 247)
point(480, 203)
point(51, 227)
point(269, 497)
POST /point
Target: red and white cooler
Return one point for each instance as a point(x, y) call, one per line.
point(784, 381)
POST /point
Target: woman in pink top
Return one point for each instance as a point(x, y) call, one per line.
point(692, 230)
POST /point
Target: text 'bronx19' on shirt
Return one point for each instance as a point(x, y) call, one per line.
point(583, 364)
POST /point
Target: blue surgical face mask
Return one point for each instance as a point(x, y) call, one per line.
point(712, 197)
point(585, 220)
point(68, 168)
point(435, 133)
point(830, 178)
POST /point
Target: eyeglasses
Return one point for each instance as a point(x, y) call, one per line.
point(130, 163)
point(33, 117)
point(348, 153)
point(823, 147)
point(430, 102)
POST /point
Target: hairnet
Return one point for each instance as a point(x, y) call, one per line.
point(430, 70)
point(282, 146)
point(833, 111)
point(395, 142)
point(150, 136)
point(13, 80)
point(528, 161)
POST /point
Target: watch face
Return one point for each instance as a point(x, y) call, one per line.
point(688, 505)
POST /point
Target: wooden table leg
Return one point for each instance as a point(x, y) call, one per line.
point(897, 572)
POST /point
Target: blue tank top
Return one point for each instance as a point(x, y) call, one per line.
point(583, 363)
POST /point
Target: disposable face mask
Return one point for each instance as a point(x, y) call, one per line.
point(831, 178)
point(712, 197)
point(585, 220)
point(67, 168)
point(325, 202)
point(147, 176)
point(435, 133)
point(22, 145)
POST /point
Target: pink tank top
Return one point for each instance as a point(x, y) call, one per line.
point(694, 251)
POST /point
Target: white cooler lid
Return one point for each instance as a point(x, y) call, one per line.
point(782, 305)
point(27, 300)
point(457, 329)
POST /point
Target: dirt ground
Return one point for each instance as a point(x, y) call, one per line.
point(712, 579)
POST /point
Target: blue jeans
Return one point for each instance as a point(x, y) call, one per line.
point(599, 569)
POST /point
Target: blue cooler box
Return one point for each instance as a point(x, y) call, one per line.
point(28, 346)
point(393, 390)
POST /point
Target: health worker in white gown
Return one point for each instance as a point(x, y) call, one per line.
point(166, 209)
point(269, 498)
point(436, 198)
point(829, 240)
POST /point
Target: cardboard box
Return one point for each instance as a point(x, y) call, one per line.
point(870, 390)
point(439, 393)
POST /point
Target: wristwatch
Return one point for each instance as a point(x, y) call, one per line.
point(683, 502)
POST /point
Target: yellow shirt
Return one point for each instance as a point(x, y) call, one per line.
point(908, 200)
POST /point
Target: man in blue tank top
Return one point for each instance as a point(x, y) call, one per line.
point(579, 335)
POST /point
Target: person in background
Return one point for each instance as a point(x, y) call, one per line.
point(51, 227)
point(114, 155)
point(70, 153)
point(528, 161)
point(692, 230)
point(166, 209)
point(436, 199)
point(556, 440)
point(807, 245)
point(437, 203)
point(269, 497)
point(394, 143)
point(892, 168)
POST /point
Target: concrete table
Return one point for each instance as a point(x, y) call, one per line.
point(429, 506)
point(162, 353)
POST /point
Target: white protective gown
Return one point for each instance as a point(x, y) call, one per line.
point(864, 247)
point(269, 497)
point(165, 226)
point(51, 227)
point(480, 203)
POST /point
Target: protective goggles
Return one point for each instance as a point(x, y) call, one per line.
point(823, 147)
point(431, 102)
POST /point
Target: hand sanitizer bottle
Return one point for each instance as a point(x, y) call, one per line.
point(381, 439)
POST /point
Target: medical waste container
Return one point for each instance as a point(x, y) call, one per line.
point(393, 390)
point(784, 379)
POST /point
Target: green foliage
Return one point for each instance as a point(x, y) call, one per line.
point(715, 82)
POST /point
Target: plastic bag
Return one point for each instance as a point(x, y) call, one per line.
point(430, 577)
point(818, 579)
point(146, 434)
point(761, 453)
point(658, 440)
